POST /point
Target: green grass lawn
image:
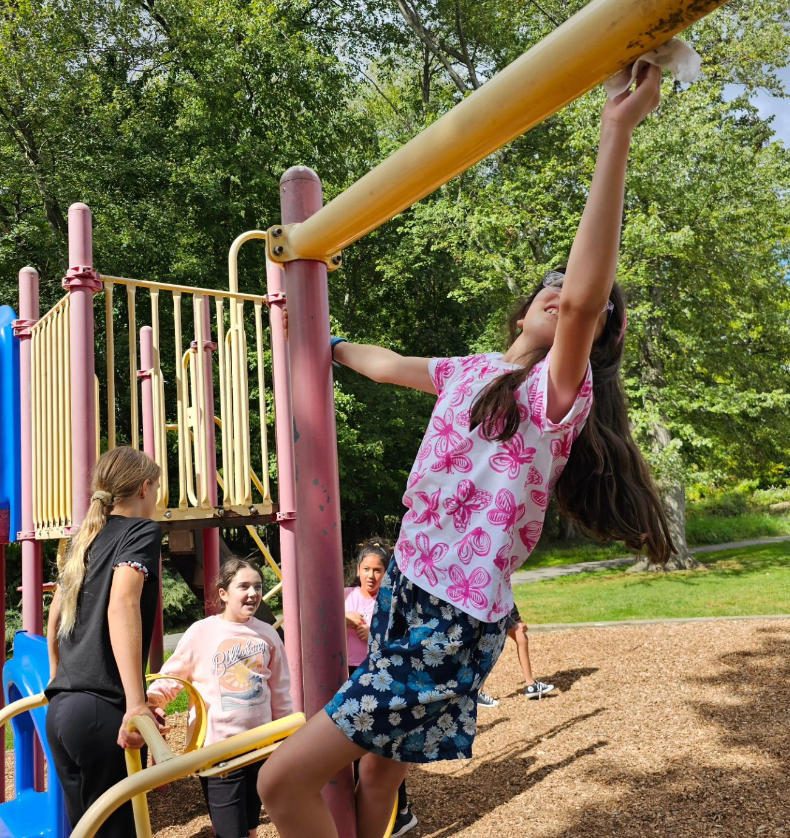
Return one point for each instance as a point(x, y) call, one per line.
point(747, 581)
point(699, 531)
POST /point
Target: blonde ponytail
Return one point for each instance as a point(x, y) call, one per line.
point(119, 474)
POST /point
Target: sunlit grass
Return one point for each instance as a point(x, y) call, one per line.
point(746, 581)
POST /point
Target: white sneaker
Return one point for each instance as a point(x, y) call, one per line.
point(538, 689)
point(486, 700)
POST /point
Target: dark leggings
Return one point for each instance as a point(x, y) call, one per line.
point(82, 731)
point(403, 801)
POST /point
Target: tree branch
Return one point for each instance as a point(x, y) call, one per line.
point(389, 101)
point(462, 40)
point(413, 20)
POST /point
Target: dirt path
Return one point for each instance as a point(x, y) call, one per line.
point(672, 730)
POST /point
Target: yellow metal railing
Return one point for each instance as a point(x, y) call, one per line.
point(213, 760)
point(50, 403)
point(220, 327)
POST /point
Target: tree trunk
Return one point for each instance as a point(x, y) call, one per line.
point(673, 496)
point(670, 484)
point(567, 529)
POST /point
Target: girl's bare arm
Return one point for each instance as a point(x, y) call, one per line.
point(385, 366)
point(53, 623)
point(593, 259)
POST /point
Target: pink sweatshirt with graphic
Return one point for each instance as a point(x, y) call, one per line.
point(239, 669)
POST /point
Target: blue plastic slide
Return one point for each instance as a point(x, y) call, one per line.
point(31, 813)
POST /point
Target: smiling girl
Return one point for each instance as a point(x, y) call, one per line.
point(238, 665)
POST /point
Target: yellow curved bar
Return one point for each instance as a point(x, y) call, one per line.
point(31, 702)
point(175, 768)
point(198, 735)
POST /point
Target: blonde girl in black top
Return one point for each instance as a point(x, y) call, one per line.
point(99, 632)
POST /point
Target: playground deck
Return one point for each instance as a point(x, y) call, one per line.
point(661, 730)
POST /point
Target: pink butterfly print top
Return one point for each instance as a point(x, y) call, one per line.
point(476, 507)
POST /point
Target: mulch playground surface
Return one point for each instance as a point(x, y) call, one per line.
point(662, 730)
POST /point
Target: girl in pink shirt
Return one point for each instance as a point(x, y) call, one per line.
point(507, 431)
point(238, 665)
point(361, 600)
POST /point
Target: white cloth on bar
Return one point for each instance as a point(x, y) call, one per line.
point(682, 60)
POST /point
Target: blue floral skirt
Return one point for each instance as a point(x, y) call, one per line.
point(414, 697)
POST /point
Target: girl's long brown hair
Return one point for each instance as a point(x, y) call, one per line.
point(117, 475)
point(606, 485)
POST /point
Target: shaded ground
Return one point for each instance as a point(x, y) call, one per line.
point(680, 730)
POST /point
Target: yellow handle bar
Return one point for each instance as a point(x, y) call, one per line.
point(32, 702)
point(175, 767)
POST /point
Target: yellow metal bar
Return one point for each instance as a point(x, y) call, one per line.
point(182, 289)
point(233, 259)
point(190, 388)
point(64, 419)
point(142, 817)
point(132, 316)
point(67, 414)
point(262, 402)
point(181, 766)
point(42, 322)
point(236, 384)
point(266, 554)
point(31, 702)
point(57, 406)
point(230, 425)
point(602, 38)
point(224, 768)
point(49, 429)
point(181, 404)
point(200, 405)
point(35, 383)
point(272, 592)
point(199, 724)
point(223, 396)
point(109, 329)
point(246, 459)
point(158, 392)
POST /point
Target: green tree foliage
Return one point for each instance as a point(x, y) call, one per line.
point(174, 121)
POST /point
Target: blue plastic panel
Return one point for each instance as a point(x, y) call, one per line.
point(10, 459)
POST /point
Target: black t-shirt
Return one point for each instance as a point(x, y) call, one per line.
point(87, 663)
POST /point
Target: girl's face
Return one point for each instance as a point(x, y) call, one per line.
point(539, 323)
point(371, 572)
point(242, 596)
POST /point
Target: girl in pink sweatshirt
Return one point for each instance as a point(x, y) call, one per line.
point(238, 665)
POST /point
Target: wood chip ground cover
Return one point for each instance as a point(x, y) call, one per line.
point(663, 730)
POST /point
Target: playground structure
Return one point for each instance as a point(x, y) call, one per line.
point(60, 416)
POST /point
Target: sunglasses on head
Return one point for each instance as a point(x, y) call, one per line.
point(554, 280)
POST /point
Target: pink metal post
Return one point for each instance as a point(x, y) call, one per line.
point(317, 482)
point(32, 557)
point(32, 565)
point(210, 536)
point(286, 489)
point(156, 654)
point(82, 282)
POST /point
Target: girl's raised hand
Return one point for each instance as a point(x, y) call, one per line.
point(629, 108)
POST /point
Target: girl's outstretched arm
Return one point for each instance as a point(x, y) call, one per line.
point(385, 366)
point(593, 259)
